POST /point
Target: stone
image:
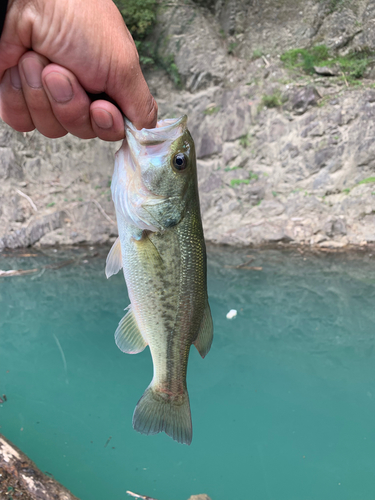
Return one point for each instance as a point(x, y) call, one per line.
point(201, 496)
point(7, 164)
point(327, 70)
point(334, 227)
point(300, 99)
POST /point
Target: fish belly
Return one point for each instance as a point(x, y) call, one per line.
point(166, 279)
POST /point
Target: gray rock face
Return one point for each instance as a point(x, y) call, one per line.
point(280, 159)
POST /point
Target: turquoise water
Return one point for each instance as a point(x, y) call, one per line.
point(283, 406)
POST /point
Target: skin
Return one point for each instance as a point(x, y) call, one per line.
point(52, 52)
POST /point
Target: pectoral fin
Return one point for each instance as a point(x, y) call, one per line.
point(114, 259)
point(128, 336)
point(148, 251)
point(205, 335)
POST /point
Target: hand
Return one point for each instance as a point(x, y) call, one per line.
point(54, 51)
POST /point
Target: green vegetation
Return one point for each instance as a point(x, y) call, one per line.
point(336, 5)
point(245, 141)
point(237, 182)
point(139, 16)
point(351, 66)
point(170, 67)
point(346, 191)
point(229, 169)
point(257, 53)
point(369, 180)
point(272, 100)
point(232, 47)
point(52, 204)
point(211, 110)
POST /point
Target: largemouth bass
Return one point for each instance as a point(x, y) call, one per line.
point(162, 252)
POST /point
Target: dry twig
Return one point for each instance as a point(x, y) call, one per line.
point(135, 495)
point(102, 212)
point(33, 206)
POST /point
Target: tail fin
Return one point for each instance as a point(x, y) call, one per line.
point(157, 413)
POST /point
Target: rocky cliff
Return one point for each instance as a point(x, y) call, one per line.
point(285, 147)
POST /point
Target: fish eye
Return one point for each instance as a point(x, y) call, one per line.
point(180, 161)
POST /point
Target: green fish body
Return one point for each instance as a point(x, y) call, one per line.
point(162, 252)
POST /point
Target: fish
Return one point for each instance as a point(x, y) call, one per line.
point(162, 252)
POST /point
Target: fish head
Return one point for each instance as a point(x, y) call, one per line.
point(155, 172)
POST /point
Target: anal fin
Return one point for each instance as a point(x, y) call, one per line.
point(128, 337)
point(205, 335)
point(114, 259)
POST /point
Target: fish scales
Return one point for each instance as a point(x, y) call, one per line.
point(162, 252)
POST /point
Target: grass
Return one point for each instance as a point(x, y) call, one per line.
point(353, 65)
point(369, 180)
point(237, 182)
point(257, 53)
point(232, 47)
point(211, 110)
point(334, 5)
point(272, 100)
point(229, 169)
point(245, 141)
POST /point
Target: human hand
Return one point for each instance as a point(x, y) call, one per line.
point(52, 52)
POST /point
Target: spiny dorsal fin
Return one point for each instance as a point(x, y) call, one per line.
point(205, 334)
point(128, 336)
point(114, 259)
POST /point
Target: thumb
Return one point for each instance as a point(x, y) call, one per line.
point(128, 88)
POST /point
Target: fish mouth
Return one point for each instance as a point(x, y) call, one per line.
point(166, 130)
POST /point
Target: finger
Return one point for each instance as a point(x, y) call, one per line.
point(131, 92)
point(69, 102)
point(128, 87)
point(13, 107)
point(30, 67)
point(107, 121)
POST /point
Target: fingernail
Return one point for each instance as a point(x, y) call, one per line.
point(102, 118)
point(32, 69)
point(59, 87)
point(15, 78)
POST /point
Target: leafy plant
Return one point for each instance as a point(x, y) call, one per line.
point(139, 16)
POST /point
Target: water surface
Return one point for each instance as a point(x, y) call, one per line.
point(283, 406)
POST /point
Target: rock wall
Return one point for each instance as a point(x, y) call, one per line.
point(302, 172)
